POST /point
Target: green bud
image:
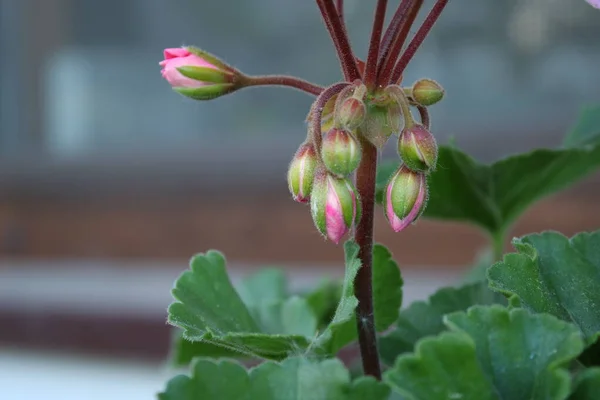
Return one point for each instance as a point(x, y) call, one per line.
point(351, 113)
point(340, 152)
point(418, 149)
point(427, 92)
point(335, 206)
point(405, 198)
point(301, 173)
point(377, 127)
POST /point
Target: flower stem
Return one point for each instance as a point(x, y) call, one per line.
point(363, 284)
point(337, 31)
point(282, 80)
point(398, 32)
point(417, 40)
point(339, 6)
point(316, 112)
point(373, 54)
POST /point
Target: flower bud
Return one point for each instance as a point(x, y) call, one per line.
point(351, 113)
point(340, 152)
point(335, 206)
point(405, 198)
point(427, 92)
point(594, 3)
point(197, 74)
point(418, 148)
point(301, 173)
point(377, 127)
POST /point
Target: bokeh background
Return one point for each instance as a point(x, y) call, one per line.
point(109, 182)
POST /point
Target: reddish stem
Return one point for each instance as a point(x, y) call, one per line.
point(340, 10)
point(407, 12)
point(424, 114)
point(371, 67)
point(282, 80)
point(340, 39)
point(417, 40)
point(363, 283)
point(317, 112)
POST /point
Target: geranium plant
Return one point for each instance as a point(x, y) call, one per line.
point(526, 329)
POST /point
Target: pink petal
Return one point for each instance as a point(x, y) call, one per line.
point(594, 3)
point(175, 78)
point(334, 217)
point(176, 52)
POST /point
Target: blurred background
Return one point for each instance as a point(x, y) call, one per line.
point(109, 181)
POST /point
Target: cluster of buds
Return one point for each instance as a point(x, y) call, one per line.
point(322, 167)
point(406, 193)
point(350, 118)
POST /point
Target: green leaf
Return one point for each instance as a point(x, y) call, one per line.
point(491, 354)
point(265, 286)
point(423, 319)
point(587, 385)
point(323, 301)
point(587, 129)
point(210, 310)
point(387, 288)
point(183, 351)
point(556, 275)
point(494, 196)
point(442, 368)
point(342, 328)
point(525, 356)
point(387, 298)
point(293, 379)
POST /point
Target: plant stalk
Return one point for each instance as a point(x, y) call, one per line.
point(370, 75)
point(418, 39)
point(282, 80)
point(338, 34)
point(363, 284)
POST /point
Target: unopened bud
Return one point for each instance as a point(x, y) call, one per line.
point(594, 3)
point(340, 152)
point(418, 149)
point(427, 92)
point(197, 74)
point(351, 113)
point(335, 206)
point(301, 173)
point(377, 127)
point(405, 198)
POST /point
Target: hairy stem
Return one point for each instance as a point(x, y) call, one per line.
point(340, 39)
point(373, 54)
point(339, 6)
point(282, 80)
point(424, 113)
point(316, 112)
point(363, 284)
point(406, 15)
point(418, 39)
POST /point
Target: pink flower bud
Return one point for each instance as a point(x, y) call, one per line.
point(594, 3)
point(418, 149)
point(335, 206)
point(427, 92)
point(405, 198)
point(301, 173)
point(340, 152)
point(197, 74)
